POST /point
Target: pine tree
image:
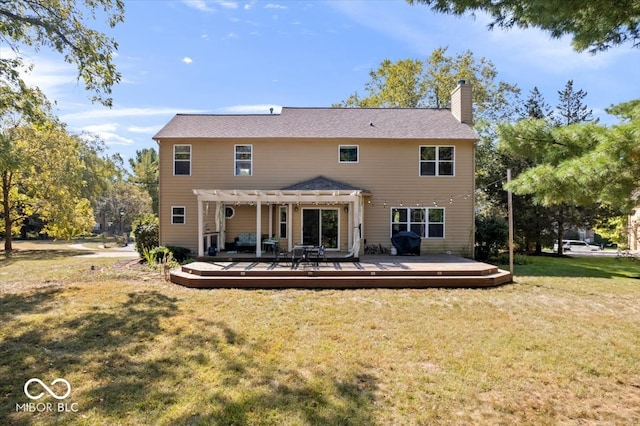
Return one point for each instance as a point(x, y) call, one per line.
point(571, 109)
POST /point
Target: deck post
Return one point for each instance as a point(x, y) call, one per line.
point(270, 207)
point(289, 226)
point(200, 229)
point(258, 228)
point(351, 207)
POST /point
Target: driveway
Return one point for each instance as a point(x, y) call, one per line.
point(127, 252)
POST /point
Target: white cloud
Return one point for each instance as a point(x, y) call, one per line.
point(145, 129)
point(209, 6)
point(424, 30)
point(100, 128)
point(107, 132)
point(411, 25)
point(187, 60)
point(52, 75)
point(536, 48)
point(105, 113)
point(228, 4)
point(363, 67)
point(252, 109)
point(230, 35)
point(201, 5)
point(275, 6)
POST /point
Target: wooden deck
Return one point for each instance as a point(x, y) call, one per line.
point(365, 272)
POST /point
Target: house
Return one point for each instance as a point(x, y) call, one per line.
point(345, 178)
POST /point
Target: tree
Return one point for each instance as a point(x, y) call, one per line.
point(535, 106)
point(539, 221)
point(19, 105)
point(145, 173)
point(412, 83)
point(532, 221)
point(595, 25)
point(393, 85)
point(122, 203)
point(45, 174)
point(62, 26)
point(571, 109)
point(583, 164)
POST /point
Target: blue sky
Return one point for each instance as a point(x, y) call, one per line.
point(245, 56)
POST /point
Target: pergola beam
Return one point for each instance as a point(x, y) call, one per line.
point(277, 196)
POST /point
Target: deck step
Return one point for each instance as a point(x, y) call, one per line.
point(339, 281)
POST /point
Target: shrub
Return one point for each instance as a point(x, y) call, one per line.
point(180, 254)
point(492, 234)
point(145, 232)
point(157, 255)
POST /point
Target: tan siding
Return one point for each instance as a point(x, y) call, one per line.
point(388, 169)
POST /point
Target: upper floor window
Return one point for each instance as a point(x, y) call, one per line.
point(182, 159)
point(437, 160)
point(243, 160)
point(348, 154)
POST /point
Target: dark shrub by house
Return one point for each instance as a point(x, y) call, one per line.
point(180, 254)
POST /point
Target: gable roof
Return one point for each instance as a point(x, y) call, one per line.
point(343, 123)
point(320, 183)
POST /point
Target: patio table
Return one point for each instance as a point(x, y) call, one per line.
point(302, 253)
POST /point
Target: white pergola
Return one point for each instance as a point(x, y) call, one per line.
point(353, 198)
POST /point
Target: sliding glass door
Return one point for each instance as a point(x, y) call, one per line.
point(320, 227)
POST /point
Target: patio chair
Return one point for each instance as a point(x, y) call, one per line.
point(299, 255)
point(279, 254)
point(320, 253)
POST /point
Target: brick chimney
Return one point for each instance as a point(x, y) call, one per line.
point(462, 103)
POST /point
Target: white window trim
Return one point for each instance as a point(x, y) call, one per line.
point(235, 159)
point(281, 222)
point(184, 215)
point(233, 212)
point(426, 222)
point(437, 160)
point(357, 147)
point(190, 158)
point(444, 223)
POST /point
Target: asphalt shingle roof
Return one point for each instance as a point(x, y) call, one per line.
point(319, 183)
point(344, 123)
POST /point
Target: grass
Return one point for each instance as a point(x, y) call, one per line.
point(560, 346)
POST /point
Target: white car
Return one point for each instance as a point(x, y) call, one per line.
point(576, 245)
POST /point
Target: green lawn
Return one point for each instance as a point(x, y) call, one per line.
point(559, 346)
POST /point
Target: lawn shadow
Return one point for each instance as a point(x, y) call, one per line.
point(253, 386)
point(135, 360)
point(27, 303)
point(8, 258)
point(69, 344)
